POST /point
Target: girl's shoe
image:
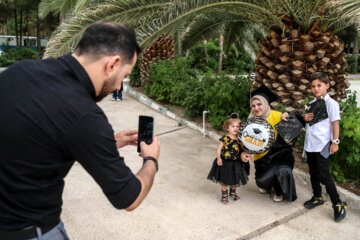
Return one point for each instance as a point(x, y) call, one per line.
point(224, 197)
point(277, 198)
point(233, 195)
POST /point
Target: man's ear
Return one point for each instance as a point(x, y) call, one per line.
point(112, 64)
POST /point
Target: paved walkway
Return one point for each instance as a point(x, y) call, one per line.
point(183, 204)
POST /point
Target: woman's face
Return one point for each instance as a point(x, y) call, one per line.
point(257, 108)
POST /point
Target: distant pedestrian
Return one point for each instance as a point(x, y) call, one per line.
point(117, 94)
point(230, 168)
point(318, 137)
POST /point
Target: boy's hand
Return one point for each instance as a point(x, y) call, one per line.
point(334, 148)
point(284, 116)
point(219, 162)
point(245, 157)
point(308, 117)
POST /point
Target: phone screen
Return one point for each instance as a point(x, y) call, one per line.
point(146, 128)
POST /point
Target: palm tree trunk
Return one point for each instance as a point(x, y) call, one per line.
point(21, 25)
point(62, 18)
point(221, 45)
point(178, 43)
point(16, 28)
point(38, 39)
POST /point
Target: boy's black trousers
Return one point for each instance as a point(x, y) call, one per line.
point(319, 173)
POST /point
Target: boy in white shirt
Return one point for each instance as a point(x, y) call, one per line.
point(317, 137)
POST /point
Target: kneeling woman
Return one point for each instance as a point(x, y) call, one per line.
point(273, 169)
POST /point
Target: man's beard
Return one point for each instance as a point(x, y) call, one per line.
point(105, 90)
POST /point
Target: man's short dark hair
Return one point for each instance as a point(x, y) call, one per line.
point(321, 76)
point(108, 38)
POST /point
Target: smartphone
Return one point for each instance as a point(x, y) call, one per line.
point(146, 129)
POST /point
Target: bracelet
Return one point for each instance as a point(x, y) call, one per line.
point(152, 159)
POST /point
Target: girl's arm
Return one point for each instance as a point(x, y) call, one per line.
point(245, 156)
point(218, 153)
point(336, 129)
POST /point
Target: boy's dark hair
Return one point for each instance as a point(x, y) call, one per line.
point(321, 76)
point(108, 38)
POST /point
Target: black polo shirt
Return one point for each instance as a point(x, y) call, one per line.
point(49, 119)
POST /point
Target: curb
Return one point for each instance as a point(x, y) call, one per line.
point(149, 102)
point(352, 199)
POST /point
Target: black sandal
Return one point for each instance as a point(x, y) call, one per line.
point(224, 197)
point(233, 195)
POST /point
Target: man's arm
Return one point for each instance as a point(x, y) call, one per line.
point(147, 173)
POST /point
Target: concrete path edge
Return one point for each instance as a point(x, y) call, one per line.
point(352, 199)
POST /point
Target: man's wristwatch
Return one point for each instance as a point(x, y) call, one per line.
point(336, 141)
point(152, 159)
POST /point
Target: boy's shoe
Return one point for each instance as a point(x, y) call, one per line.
point(313, 202)
point(339, 211)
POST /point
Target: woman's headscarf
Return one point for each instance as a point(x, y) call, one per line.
point(266, 105)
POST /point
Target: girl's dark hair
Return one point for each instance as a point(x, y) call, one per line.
point(108, 38)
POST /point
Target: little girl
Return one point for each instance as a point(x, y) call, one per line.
point(230, 167)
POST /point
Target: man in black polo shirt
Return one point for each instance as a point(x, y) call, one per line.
point(49, 118)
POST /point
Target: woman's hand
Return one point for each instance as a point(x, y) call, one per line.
point(284, 116)
point(245, 156)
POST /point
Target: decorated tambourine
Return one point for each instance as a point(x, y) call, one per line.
point(257, 135)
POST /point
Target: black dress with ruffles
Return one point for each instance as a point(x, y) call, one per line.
point(233, 171)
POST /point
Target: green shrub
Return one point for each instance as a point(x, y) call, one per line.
point(196, 99)
point(352, 64)
point(164, 78)
point(12, 55)
point(345, 164)
point(197, 57)
point(177, 83)
point(135, 75)
point(228, 95)
point(239, 63)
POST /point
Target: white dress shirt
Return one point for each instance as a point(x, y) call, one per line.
point(319, 134)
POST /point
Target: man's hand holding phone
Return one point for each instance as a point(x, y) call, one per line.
point(148, 145)
point(152, 150)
